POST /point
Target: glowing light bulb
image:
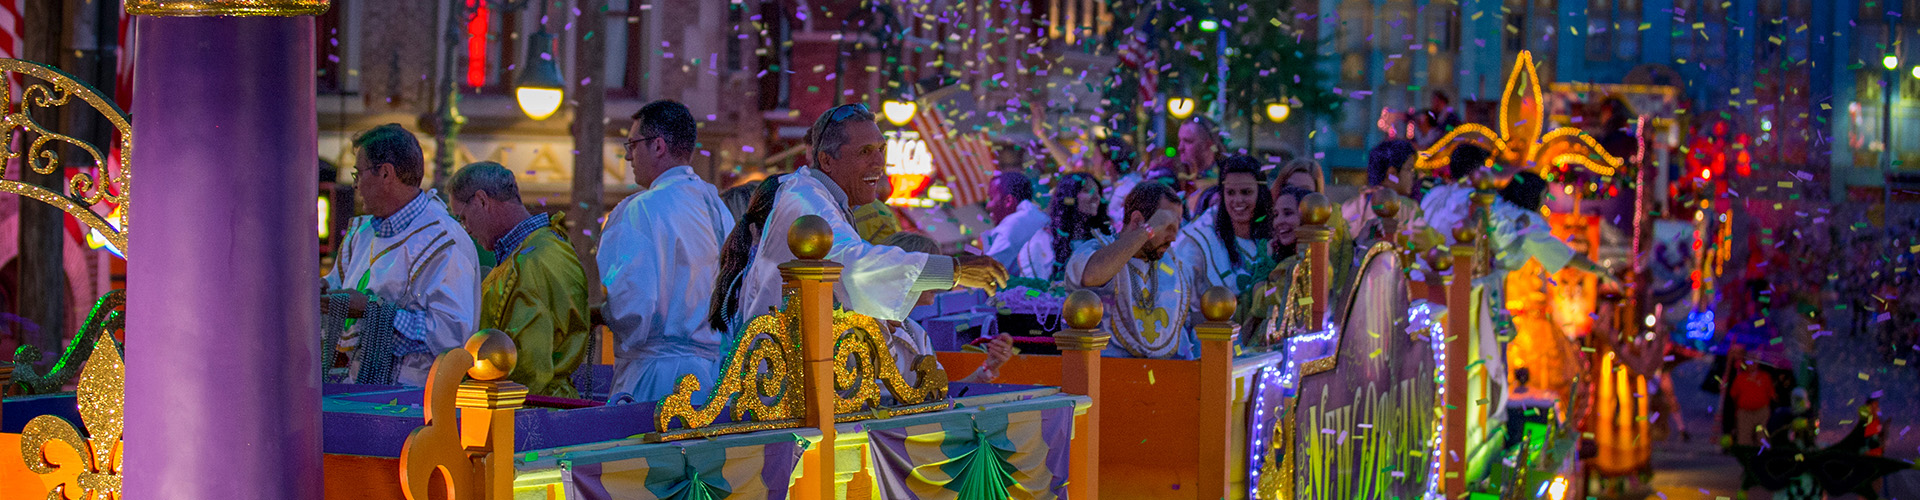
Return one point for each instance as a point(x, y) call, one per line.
point(1278, 112)
point(899, 113)
point(1180, 107)
point(538, 103)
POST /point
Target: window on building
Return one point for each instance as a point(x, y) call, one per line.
point(329, 53)
point(774, 51)
point(1626, 30)
point(1599, 30)
point(627, 54)
point(493, 48)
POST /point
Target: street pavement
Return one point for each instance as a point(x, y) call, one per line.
point(1851, 367)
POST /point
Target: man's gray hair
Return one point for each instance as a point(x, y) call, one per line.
point(491, 177)
point(826, 136)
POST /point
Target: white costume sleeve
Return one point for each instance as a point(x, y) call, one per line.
point(449, 293)
point(875, 280)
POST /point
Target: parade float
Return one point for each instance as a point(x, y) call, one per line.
point(1389, 390)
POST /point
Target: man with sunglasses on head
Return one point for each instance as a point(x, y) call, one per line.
point(848, 156)
point(659, 253)
point(406, 268)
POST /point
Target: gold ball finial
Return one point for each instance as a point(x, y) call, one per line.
point(1386, 206)
point(1437, 257)
point(1218, 304)
point(494, 354)
point(1315, 210)
point(1083, 310)
point(810, 237)
point(1465, 235)
point(1422, 240)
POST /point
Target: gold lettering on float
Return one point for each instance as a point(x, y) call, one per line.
point(1354, 451)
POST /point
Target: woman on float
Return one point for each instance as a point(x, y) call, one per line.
point(1269, 299)
point(1078, 215)
point(1226, 245)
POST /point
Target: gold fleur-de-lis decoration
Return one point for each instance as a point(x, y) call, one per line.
point(1522, 140)
point(76, 468)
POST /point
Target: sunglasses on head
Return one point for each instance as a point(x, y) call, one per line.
point(845, 111)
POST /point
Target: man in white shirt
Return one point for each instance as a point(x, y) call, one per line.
point(1015, 217)
point(659, 252)
point(409, 259)
point(849, 154)
point(1147, 290)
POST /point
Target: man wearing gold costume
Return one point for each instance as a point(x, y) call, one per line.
point(537, 292)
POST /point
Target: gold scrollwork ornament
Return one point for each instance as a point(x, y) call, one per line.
point(84, 191)
point(76, 468)
point(762, 379)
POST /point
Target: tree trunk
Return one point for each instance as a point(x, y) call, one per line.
point(42, 289)
point(589, 139)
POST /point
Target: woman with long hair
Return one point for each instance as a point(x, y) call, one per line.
point(735, 253)
point(1304, 173)
point(1225, 243)
point(1077, 215)
point(1269, 299)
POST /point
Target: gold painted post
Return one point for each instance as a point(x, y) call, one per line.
point(812, 277)
point(487, 404)
point(474, 456)
point(1387, 206)
point(1459, 335)
point(1080, 346)
point(1217, 335)
point(1315, 211)
point(1441, 260)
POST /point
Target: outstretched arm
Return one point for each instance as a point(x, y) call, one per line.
point(1037, 116)
point(1108, 261)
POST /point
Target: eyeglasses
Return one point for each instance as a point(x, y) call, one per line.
point(846, 111)
point(630, 142)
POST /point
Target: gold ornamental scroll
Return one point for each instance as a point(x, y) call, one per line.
point(763, 377)
point(42, 153)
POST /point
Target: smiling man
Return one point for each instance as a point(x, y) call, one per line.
point(848, 156)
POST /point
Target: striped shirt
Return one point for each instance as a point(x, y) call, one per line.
point(504, 247)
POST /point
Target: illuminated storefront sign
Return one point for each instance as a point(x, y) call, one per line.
point(910, 171)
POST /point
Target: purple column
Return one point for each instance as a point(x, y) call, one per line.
point(223, 389)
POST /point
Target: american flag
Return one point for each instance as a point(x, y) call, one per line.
point(964, 160)
point(10, 26)
point(1138, 55)
point(123, 66)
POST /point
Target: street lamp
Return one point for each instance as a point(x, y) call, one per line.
point(1277, 112)
point(541, 88)
point(1180, 107)
point(899, 113)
